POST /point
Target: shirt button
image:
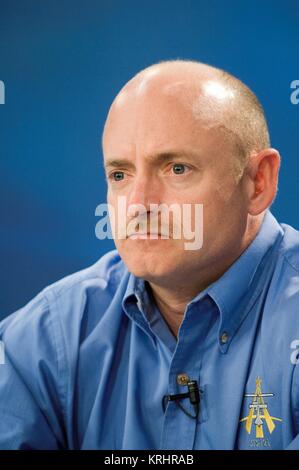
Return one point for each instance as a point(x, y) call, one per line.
point(224, 337)
point(182, 379)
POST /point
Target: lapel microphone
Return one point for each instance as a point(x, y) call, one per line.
point(192, 394)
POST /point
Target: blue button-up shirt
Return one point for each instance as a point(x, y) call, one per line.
point(89, 359)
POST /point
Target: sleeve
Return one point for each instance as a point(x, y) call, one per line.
point(31, 380)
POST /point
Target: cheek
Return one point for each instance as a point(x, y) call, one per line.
point(220, 211)
point(221, 195)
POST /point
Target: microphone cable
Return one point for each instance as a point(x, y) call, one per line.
point(193, 395)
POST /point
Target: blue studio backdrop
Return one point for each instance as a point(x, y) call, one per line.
point(61, 64)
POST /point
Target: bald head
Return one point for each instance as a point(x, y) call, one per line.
point(181, 132)
point(217, 100)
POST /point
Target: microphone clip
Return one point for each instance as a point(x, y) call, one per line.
point(193, 395)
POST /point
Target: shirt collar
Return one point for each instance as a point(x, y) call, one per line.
point(229, 292)
point(237, 289)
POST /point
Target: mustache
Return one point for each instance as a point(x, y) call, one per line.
point(162, 221)
point(142, 226)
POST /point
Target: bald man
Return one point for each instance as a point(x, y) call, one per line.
point(159, 345)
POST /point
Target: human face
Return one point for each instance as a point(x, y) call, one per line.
point(156, 151)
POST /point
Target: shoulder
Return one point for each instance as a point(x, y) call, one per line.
point(60, 307)
point(289, 249)
point(44, 339)
point(285, 281)
point(282, 305)
point(108, 270)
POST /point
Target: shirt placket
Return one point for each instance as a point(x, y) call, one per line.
point(179, 429)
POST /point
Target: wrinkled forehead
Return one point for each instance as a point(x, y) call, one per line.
point(156, 112)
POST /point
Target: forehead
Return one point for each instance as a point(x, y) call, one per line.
point(154, 118)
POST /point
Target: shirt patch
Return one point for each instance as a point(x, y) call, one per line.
point(259, 415)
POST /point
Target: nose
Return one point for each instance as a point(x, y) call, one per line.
point(145, 189)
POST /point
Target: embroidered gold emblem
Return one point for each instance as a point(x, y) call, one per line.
point(258, 412)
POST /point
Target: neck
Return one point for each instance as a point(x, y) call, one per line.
point(172, 304)
point(172, 298)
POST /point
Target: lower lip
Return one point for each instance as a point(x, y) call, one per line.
point(145, 236)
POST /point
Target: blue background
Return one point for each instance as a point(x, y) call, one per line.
point(63, 62)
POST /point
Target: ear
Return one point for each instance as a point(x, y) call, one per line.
point(262, 180)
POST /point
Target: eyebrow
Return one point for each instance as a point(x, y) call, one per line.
point(159, 158)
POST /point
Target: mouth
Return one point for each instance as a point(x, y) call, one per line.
point(147, 235)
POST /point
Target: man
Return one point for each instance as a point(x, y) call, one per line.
point(157, 346)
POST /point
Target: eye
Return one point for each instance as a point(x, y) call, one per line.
point(117, 175)
point(179, 168)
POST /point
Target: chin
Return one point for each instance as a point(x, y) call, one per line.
point(151, 266)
